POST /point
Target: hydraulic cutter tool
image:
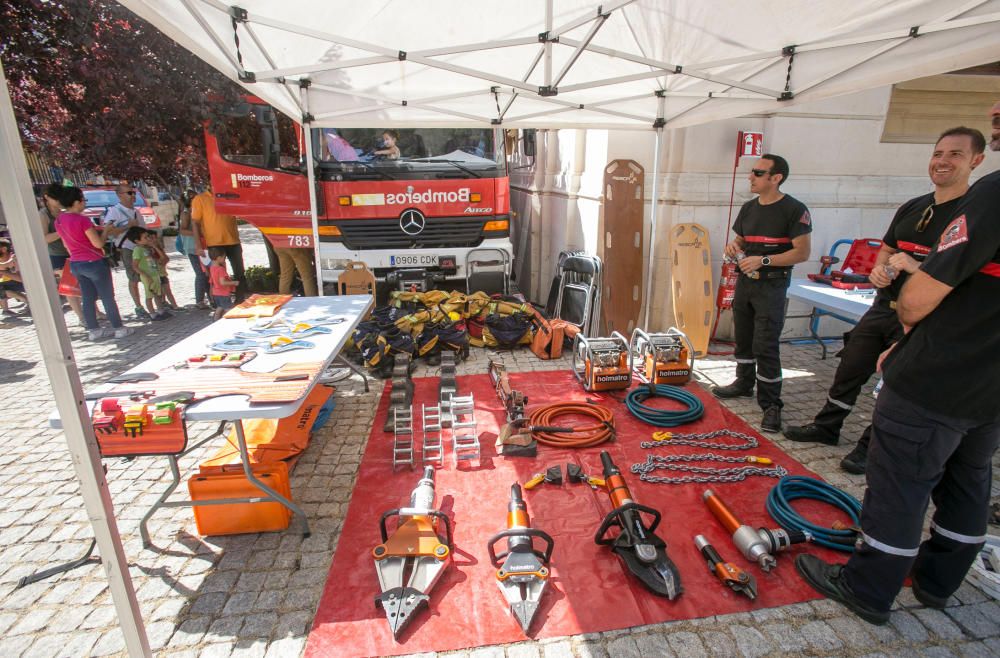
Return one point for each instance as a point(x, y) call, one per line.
point(522, 570)
point(602, 364)
point(644, 554)
point(662, 358)
point(755, 545)
point(410, 562)
point(728, 573)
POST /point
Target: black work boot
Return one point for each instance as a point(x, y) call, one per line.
point(811, 433)
point(771, 422)
point(734, 390)
point(856, 461)
point(928, 599)
point(826, 579)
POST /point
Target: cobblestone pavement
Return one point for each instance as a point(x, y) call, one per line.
point(255, 595)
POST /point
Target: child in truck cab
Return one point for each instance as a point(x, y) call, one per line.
point(222, 286)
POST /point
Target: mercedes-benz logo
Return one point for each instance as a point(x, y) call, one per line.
point(412, 221)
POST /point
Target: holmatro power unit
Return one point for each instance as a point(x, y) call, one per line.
point(663, 358)
point(602, 364)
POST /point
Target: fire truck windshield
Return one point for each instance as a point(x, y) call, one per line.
point(409, 153)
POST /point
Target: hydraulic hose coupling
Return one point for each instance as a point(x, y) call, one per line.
point(756, 545)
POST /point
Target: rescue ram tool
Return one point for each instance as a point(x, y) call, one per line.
point(728, 573)
point(410, 562)
point(755, 545)
point(644, 553)
point(522, 570)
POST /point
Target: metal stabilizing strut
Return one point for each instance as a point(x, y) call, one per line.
point(644, 554)
point(728, 573)
point(755, 545)
point(410, 562)
point(522, 570)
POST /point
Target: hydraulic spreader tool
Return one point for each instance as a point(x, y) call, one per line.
point(602, 364)
point(411, 561)
point(522, 570)
point(644, 554)
point(662, 358)
point(755, 545)
point(728, 573)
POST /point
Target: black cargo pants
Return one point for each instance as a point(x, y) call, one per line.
point(759, 316)
point(916, 456)
point(875, 332)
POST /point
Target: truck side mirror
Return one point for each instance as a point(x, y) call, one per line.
point(528, 145)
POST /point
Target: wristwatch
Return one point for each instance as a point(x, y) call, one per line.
point(765, 261)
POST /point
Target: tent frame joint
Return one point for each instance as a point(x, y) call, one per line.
point(247, 76)
point(788, 51)
point(546, 37)
point(496, 122)
point(239, 14)
point(786, 96)
point(308, 118)
point(548, 90)
point(305, 83)
point(915, 31)
point(659, 123)
point(402, 55)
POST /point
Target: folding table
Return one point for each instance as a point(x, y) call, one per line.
point(845, 305)
point(237, 408)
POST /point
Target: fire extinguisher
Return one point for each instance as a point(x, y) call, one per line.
point(727, 284)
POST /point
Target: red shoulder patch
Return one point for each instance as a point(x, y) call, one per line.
point(805, 219)
point(956, 233)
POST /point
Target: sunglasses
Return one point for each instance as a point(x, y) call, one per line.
point(759, 172)
point(925, 218)
point(128, 193)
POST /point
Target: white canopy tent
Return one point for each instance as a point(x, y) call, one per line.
point(642, 64)
point(570, 63)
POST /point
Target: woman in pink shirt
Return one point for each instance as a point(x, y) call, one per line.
point(85, 243)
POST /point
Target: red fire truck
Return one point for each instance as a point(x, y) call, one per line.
point(412, 215)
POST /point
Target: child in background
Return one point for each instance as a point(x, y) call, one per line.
point(162, 259)
point(222, 286)
point(10, 278)
point(145, 264)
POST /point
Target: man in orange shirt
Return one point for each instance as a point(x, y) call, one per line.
point(220, 231)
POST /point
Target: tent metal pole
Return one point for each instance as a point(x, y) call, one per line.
point(311, 177)
point(60, 364)
point(654, 211)
point(210, 33)
point(547, 63)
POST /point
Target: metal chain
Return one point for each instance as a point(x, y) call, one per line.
point(705, 440)
point(703, 474)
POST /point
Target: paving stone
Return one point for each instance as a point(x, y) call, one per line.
point(111, 642)
point(221, 650)
point(908, 626)
point(254, 649)
point(719, 644)
point(975, 650)
point(750, 641)
point(225, 628)
point(853, 631)
point(623, 647)
point(786, 637)
point(32, 622)
point(259, 625)
point(821, 636)
point(686, 644)
point(973, 622)
point(591, 649)
point(653, 644)
point(938, 623)
point(489, 652)
point(209, 603)
point(190, 632)
point(240, 602)
point(522, 651)
point(935, 652)
point(285, 647)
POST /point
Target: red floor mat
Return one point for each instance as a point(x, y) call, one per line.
point(589, 590)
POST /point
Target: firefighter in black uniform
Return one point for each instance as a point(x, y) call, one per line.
point(915, 227)
point(936, 424)
point(772, 235)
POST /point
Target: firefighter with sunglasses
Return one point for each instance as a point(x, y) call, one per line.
point(914, 229)
point(772, 235)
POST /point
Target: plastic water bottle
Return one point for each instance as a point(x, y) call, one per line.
point(878, 387)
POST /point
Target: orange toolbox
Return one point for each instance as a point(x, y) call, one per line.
point(238, 518)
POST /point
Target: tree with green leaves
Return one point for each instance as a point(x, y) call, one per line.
point(96, 87)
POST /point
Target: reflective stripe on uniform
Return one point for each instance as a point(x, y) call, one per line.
point(955, 536)
point(886, 548)
point(838, 403)
point(746, 361)
point(768, 381)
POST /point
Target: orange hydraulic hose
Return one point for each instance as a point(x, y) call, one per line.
point(581, 437)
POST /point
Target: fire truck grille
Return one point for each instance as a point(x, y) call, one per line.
point(439, 232)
